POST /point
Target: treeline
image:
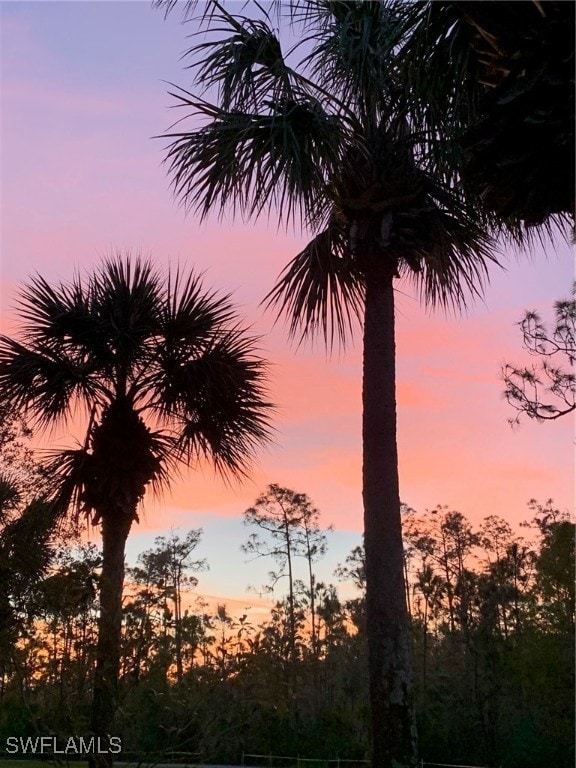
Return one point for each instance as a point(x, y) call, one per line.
point(492, 629)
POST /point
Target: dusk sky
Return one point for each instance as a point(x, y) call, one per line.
point(84, 92)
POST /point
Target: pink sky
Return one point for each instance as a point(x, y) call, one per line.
point(82, 93)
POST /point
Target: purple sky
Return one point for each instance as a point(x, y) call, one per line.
point(83, 92)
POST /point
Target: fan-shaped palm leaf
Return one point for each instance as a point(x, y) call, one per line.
point(321, 289)
point(281, 159)
point(44, 381)
point(247, 66)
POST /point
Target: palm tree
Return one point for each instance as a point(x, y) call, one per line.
point(163, 374)
point(329, 143)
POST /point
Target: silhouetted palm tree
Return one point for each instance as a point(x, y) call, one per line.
point(162, 373)
point(330, 144)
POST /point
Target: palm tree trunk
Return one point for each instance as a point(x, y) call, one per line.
point(393, 726)
point(115, 530)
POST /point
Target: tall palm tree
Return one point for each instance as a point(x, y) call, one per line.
point(162, 373)
point(329, 143)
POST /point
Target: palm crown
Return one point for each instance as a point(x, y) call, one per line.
point(163, 373)
point(335, 145)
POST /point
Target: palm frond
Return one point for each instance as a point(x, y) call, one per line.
point(187, 8)
point(26, 544)
point(321, 289)
point(72, 473)
point(440, 70)
point(247, 66)
point(442, 93)
point(447, 250)
point(189, 320)
point(191, 313)
point(280, 160)
point(208, 9)
point(224, 404)
point(62, 319)
point(353, 55)
point(55, 315)
point(44, 382)
point(127, 297)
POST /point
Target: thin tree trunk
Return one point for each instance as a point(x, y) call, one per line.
point(314, 639)
point(292, 609)
point(425, 647)
point(115, 530)
point(407, 585)
point(393, 727)
point(178, 625)
point(449, 589)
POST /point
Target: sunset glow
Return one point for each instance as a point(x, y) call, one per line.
point(83, 91)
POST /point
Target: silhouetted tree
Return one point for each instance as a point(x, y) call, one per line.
point(167, 567)
point(163, 373)
point(499, 78)
point(291, 529)
point(330, 143)
point(547, 390)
